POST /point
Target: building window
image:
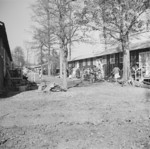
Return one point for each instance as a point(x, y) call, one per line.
point(73, 64)
point(88, 62)
point(70, 65)
point(81, 63)
point(112, 59)
point(121, 57)
point(94, 61)
point(84, 62)
point(77, 64)
point(104, 60)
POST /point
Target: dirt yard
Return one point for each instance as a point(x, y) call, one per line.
point(98, 116)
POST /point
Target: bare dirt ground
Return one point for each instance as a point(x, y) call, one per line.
point(99, 116)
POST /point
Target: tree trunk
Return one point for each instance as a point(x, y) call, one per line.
point(126, 65)
point(41, 62)
point(126, 59)
point(69, 51)
point(65, 69)
point(65, 74)
point(61, 63)
point(41, 72)
point(49, 68)
point(63, 48)
point(49, 43)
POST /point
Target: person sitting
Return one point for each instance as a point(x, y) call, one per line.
point(78, 73)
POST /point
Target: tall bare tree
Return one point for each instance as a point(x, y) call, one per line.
point(44, 28)
point(118, 19)
point(60, 30)
point(18, 56)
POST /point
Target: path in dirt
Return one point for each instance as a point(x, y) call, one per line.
point(101, 115)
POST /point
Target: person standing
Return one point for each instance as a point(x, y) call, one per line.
point(115, 72)
point(40, 74)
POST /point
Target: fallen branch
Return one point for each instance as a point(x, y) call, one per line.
point(3, 141)
point(54, 88)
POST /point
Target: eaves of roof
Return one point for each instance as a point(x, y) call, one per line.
point(3, 35)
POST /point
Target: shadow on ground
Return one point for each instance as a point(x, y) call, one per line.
point(147, 95)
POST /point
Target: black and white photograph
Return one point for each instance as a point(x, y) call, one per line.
point(74, 74)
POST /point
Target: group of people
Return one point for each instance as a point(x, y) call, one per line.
point(135, 72)
point(95, 72)
point(138, 72)
point(91, 73)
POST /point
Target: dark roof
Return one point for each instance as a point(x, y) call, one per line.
point(3, 35)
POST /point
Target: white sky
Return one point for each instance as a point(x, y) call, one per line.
point(16, 16)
